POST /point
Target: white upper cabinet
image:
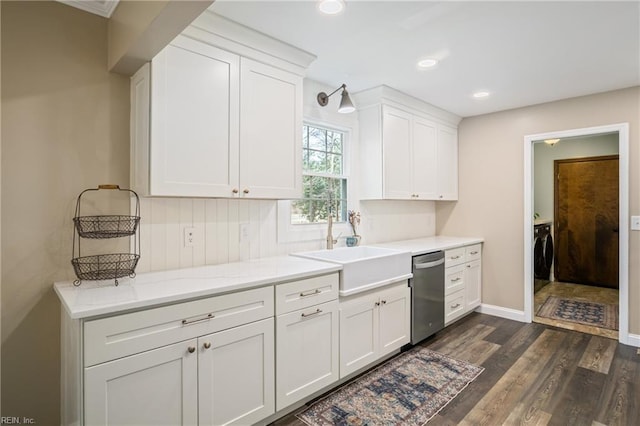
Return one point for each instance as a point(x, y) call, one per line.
point(270, 132)
point(408, 149)
point(218, 113)
point(194, 120)
point(447, 164)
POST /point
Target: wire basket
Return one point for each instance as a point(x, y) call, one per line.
point(111, 265)
point(113, 226)
point(105, 266)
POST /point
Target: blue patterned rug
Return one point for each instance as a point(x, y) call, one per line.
point(603, 315)
point(407, 390)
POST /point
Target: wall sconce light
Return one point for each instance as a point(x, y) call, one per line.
point(551, 142)
point(346, 106)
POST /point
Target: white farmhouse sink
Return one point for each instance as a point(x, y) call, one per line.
point(365, 267)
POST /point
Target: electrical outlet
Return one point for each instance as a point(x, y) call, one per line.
point(635, 223)
point(244, 232)
point(189, 237)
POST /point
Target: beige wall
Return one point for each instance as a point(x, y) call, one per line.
point(492, 178)
point(138, 30)
point(64, 128)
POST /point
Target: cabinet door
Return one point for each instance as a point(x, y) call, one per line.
point(424, 160)
point(447, 163)
point(395, 312)
point(157, 387)
point(194, 120)
point(359, 337)
point(473, 284)
point(270, 132)
point(307, 352)
point(236, 375)
point(396, 139)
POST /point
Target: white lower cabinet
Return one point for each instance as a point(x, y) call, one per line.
point(218, 379)
point(203, 362)
point(307, 352)
point(373, 325)
point(157, 387)
point(306, 337)
point(463, 281)
point(235, 375)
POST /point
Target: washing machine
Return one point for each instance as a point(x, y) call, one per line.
point(543, 251)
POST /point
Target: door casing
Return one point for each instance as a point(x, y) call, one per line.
point(622, 129)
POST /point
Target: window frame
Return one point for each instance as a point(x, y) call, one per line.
point(288, 232)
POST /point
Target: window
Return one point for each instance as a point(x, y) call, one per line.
point(324, 183)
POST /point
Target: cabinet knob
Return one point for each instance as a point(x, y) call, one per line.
point(207, 345)
point(191, 349)
point(245, 191)
point(377, 303)
point(441, 196)
point(384, 302)
point(235, 190)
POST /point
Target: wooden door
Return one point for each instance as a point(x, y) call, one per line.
point(587, 220)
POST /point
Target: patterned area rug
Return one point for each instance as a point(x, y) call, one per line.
point(407, 390)
point(602, 315)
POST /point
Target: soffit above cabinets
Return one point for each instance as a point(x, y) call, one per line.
point(99, 7)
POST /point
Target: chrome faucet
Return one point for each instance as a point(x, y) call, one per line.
point(330, 240)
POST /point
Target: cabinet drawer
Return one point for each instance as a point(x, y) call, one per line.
point(454, 257)
point(114, 337)
point(304, 293)
point(453, 306)
point(453, 279)
point(473, 252)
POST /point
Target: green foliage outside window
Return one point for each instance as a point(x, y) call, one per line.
point(324, 186)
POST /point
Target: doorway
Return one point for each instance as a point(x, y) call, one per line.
point(620, 133)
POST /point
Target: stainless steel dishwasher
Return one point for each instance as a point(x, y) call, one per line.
point(427, 295)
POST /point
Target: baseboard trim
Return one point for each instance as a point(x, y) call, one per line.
point(633, 340)
point(499, 311)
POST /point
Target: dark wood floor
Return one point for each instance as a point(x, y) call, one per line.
point(536, 374)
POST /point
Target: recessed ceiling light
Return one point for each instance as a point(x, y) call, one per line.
point(331, 7)
point(427, 63)
point(481, 95)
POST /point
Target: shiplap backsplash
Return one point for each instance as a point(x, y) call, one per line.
point(217, 229)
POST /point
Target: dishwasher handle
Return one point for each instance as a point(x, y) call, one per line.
point(428, 264)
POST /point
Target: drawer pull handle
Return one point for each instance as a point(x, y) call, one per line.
point(207, 345)
point(457, 305)
point(318, 311)
point(455, 280)
point(191, 349)
point(207, 318)
point(474, 252)
point(455, 257)
point(311, 293)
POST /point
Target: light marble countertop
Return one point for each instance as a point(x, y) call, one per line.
point(96, 298)
point(93, 298)
point(424, 245)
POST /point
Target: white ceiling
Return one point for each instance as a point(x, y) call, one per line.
point(524, 53)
